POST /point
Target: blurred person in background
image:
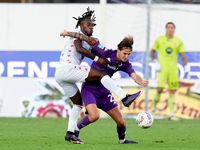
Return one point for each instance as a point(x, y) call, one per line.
point(95, 95)
point(168, 46)
point(70, 71)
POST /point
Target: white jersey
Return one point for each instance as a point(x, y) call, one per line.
point(70, 56)
point(70, 71)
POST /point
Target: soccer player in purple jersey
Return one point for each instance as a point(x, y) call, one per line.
point(70, 71)
point(95, 95)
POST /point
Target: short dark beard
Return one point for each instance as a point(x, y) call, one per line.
point(86, 33)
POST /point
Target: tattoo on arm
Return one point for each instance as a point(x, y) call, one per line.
point(84, 37)
point(75, 34)
point(79, 36)
point(184, 59)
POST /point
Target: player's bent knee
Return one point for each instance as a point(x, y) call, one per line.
point(101, 74)
point(172, 91)
point(121, 123)
point(94, 117)
point(159, 90)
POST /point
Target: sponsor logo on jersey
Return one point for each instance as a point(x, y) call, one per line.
point(113, 67)
point(168, 50)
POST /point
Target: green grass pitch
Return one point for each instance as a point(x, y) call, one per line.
point(48, 134)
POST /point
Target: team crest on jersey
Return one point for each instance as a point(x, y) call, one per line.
point(120, 64)
point(168, 50)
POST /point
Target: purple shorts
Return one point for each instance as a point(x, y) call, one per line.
point(99, 96)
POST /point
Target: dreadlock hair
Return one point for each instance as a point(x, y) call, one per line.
point(86, 15)
point(127, 42)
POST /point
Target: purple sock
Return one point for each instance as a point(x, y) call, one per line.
point(83, 122)
point(121, 132)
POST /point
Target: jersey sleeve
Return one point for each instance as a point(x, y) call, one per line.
point(156, 45)
point(128, 68)
point(101, 51)
point(181, 47)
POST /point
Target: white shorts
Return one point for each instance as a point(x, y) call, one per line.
point(67, 77)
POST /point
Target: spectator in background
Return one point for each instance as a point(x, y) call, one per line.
point(168, 47)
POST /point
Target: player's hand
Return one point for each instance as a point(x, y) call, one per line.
point(187, 70)
point(63, 33)
point(144, 83)
point(97, 40)
point(157, 65)
point(102, 62)
point(92, 41)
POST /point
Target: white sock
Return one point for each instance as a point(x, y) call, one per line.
point(171, 114)
point(74, 117)
point(77, 129)
point(153, 109)
point(112, 86)
point(121, 141)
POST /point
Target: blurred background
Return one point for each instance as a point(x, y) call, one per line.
point(97, 1)
point(30, 47)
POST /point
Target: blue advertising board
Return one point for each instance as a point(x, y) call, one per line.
point(43, 64)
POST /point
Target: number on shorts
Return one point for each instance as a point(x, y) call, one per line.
point(112, 99)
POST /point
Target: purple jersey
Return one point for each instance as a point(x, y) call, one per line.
point(111, 57)
point(94, 92)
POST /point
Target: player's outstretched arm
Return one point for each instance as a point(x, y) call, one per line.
point(139, 80)
point(90, 40)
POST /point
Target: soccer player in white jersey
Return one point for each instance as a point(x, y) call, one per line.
point(70, 71)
